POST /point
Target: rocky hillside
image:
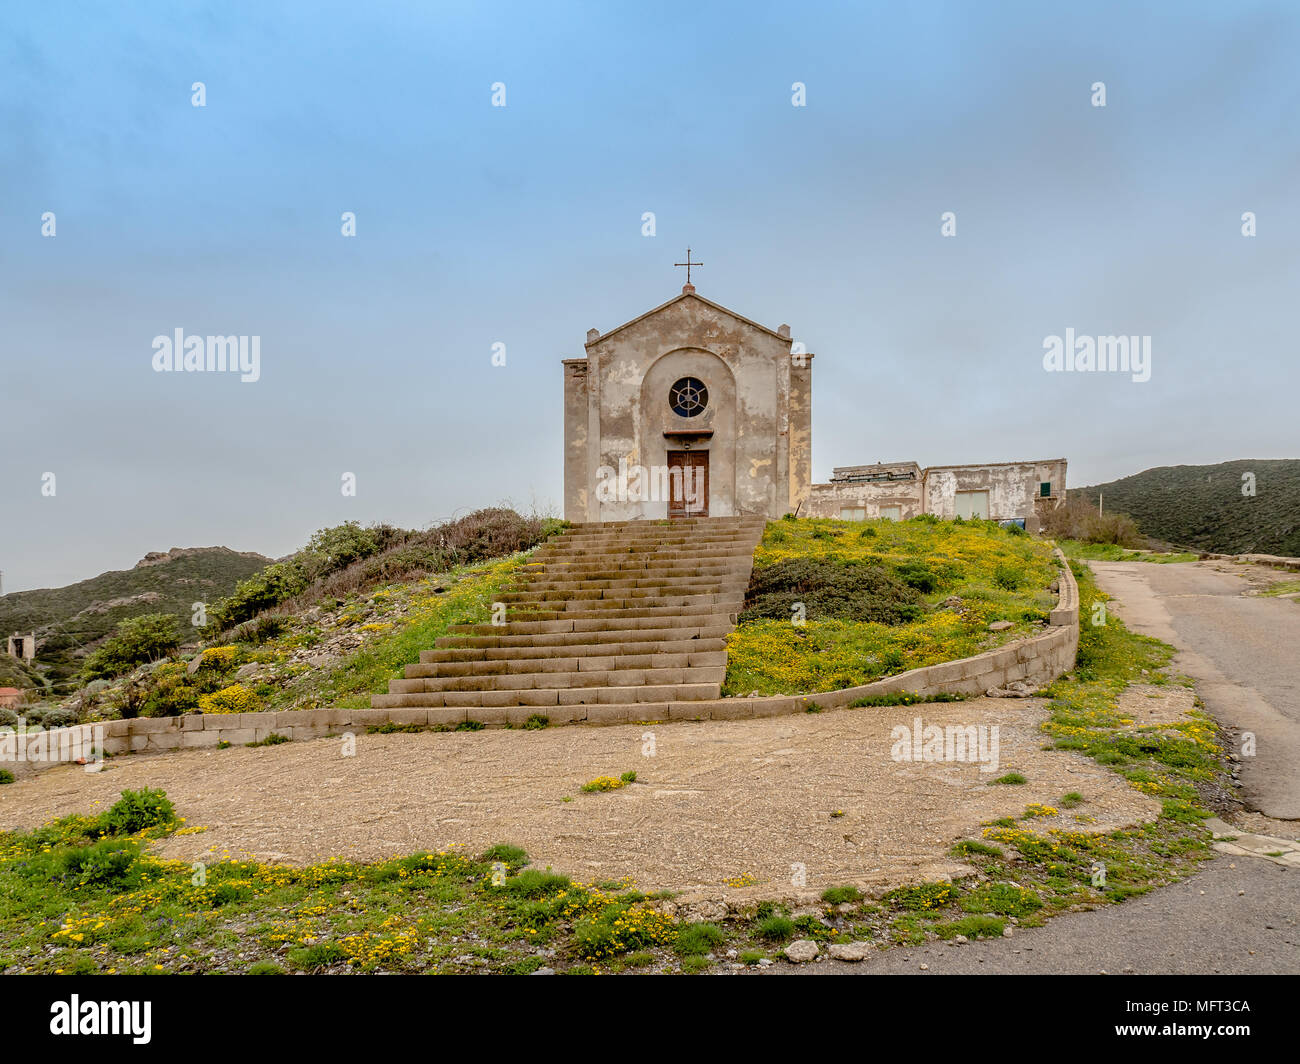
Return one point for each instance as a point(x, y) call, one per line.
point(1204, 506)
point(69, 620)
point(327, 625)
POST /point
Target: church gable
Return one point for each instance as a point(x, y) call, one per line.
point(689, 386)
point(693, 315)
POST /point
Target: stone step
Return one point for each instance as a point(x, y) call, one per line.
point(500, 639)
point(620, 623)
point(612, 617)
point(628, 613)
point(666, 647)
point(646, 546)
point(574, 540)
point(623, 553)
point(667, 567)
point(646, 582)
point(607, 605)
point(582, 663)
point(626, 595)
point(551, 696)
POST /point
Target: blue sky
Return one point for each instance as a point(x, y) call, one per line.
point(522, 225)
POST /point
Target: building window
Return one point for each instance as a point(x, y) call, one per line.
point(688, 397)
point(1045, 489)
point(972, 504)
point(891, 513)
point(852, 513)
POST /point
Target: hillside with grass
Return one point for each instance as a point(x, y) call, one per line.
point(327, 626)
point(70, 621)
point(834, 604)
point(1203, 507)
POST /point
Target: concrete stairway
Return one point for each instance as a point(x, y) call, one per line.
point(617, 612)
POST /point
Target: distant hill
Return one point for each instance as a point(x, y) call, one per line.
point(68, 619)
point(1203, 506)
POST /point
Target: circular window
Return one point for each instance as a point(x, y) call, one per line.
point(688, 397)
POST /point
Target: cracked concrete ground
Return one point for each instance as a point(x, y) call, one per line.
point(724, 809)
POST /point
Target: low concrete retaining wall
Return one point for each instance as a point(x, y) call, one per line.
point(1273, 561)
point(1036, 660)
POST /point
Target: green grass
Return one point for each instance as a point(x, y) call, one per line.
point(877, 597)
point(77, 897)
point(1011, 779)
point(1283, 587)
point(1113, 552)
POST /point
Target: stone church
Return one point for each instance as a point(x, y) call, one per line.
point(692, 410)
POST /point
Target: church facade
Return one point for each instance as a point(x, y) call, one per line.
point(690, 410)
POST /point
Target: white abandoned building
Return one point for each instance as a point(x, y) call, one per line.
point(692, 410)
point(1001, 491)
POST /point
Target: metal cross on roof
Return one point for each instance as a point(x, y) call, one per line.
point(688, 264)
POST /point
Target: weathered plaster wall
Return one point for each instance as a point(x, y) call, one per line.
point(575, 439)
point(800, 434)
point(746, 369)
point(1012, 487)
point(827, 500)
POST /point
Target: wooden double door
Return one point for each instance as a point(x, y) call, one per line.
point(688, 483)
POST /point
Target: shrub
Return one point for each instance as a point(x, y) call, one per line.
point(1012, 779)
point(313, 958)
point(137, 810)
point(924, 896)
point(622, 929)
point(233, 699)
point(603, 783)
point(6, 776)
point(58, 717)
point(830, 589)
point(695, 939)
point(1078, 519)
point(220, 659)
point(513, 857)
point(534, 883)
point(106, 863)
point(1008, 577)
point(840, 895)
point(1002, 899)
point(536, 722)
point(265, 968)
point(775, 928)
point(972, 927)
point(135, 641)
point(967, 847)
point(168, 692)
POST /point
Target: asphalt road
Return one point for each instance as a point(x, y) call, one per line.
point(1244, 653)
point(1236, 915)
